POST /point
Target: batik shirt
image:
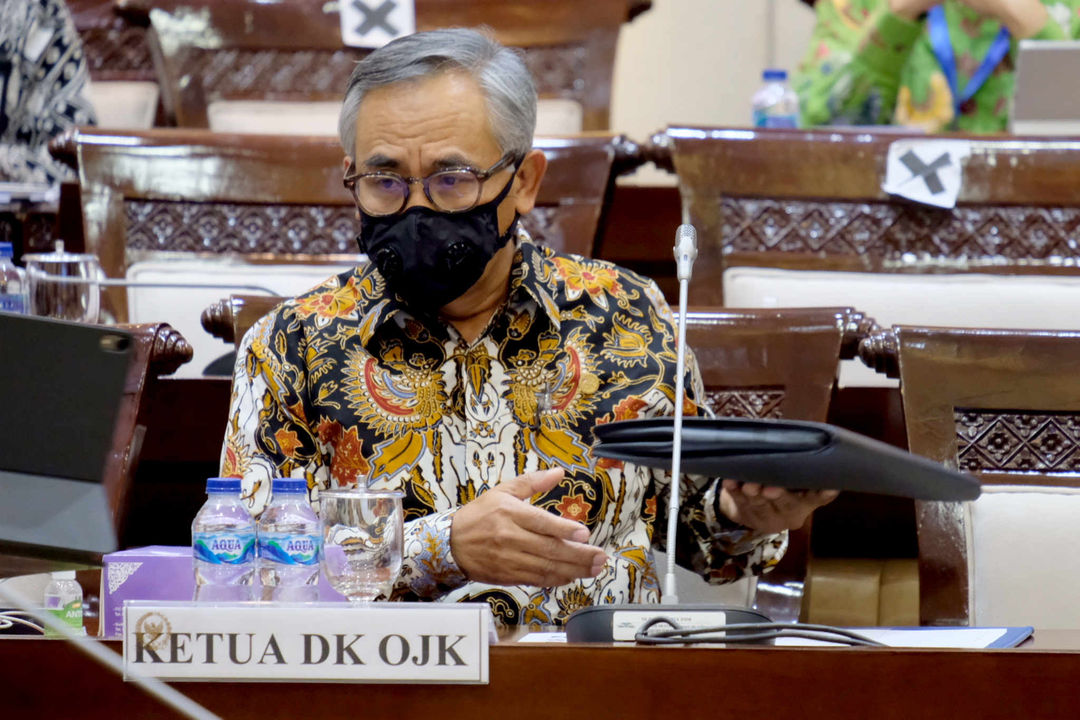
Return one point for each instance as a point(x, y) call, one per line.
point(868, 66)
point(42, 80)
point(344, 385)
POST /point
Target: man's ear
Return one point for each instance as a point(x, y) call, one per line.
point(346, 165)
point(528, 179)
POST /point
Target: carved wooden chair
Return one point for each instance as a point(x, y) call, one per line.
point(790, 218)
point(773, 363)
point(1003, 405)
point(192, 206)
point(159, 350)
point(213, 51)
point(123, 82)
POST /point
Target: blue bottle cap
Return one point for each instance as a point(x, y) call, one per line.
point(774, 74)
point(221, 485)
point(6, 249)
point(288, 486)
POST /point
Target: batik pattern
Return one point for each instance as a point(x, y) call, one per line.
point(42, 79)
point(343, 385)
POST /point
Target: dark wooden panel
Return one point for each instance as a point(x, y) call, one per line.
point(610, 682)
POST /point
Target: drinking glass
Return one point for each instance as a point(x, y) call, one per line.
point(64, 285)
point(362, 541)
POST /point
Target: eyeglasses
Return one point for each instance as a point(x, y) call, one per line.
point(451, 190)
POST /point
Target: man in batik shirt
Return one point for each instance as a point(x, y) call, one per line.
point(467, 367)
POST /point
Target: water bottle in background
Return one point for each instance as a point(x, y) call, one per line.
point(223, 545)
point(63, 600)
point(289, 542)
point(13, 287)
point(775, 104)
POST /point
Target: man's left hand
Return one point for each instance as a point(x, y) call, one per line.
point(768, 509)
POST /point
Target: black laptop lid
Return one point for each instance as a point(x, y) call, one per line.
point(61, 385)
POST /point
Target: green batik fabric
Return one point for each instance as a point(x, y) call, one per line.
point(867, 66)
point(343, 384)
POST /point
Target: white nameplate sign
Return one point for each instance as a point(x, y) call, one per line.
point(384, 643)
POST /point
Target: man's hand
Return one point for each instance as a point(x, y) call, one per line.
point(500, 539)
point(770, 509)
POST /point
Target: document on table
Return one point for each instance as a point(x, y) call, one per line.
point(931, 637)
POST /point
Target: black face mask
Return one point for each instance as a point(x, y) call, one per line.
point(429, 257)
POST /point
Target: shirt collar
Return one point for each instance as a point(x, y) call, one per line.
point(377, 306)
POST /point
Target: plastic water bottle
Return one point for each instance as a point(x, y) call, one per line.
point(63, 600)
point(13, 287)
point(223, 545)
point(289, 544)
point(775, 104)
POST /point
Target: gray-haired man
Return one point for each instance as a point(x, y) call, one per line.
point(467, 367)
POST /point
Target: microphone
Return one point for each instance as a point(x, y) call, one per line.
point(685, 254)
point(607, 623)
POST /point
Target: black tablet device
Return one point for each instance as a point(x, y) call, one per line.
point(788, 453)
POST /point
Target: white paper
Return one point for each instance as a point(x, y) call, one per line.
point(930, 172)
point(915, 637)
point(373, 23)
point(543, 637)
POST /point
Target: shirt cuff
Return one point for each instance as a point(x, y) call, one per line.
point(429, 569)
point(887, 43)
point(731, 537)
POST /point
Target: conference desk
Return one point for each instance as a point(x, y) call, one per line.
point(49, 678)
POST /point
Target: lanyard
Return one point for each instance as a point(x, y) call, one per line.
point(943, 50)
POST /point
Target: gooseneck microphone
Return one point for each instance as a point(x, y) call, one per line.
point(685, 254)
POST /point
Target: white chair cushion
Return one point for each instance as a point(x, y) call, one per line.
point(1023, 565)
point(956, 300)
point(554, 116)
point(273, 117)
point(182, 307)
point(122, 105)
point(558, 116)
point(692, 588)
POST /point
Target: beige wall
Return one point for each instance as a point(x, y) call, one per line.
point(698, 62)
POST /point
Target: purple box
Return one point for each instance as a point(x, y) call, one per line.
point(156, 572)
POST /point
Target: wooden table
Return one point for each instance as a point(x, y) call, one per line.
point(48, 678)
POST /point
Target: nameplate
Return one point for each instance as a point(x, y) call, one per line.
point(383, 643)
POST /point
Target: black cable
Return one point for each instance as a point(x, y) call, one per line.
point(746, 633)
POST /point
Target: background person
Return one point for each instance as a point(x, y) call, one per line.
point(922, 63)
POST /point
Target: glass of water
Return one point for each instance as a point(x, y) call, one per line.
point(362, 532)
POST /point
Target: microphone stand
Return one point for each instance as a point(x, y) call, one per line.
point(685, 254)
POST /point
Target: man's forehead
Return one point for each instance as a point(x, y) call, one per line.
point(447, 158)
point(443, 117)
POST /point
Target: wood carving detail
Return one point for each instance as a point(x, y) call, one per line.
point(1011, 441)
point(118, 53)
point(542, 224)
point(241, 72)
point(900, 232)
point(240, 228)
point(558, 69)
point(760, 402)
point(282, 73)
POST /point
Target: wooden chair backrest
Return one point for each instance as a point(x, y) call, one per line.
point(115, 43)
point(771, 364)
point(210, 50)
point(1003, 405)
point(813, 200)
point(272, 199)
